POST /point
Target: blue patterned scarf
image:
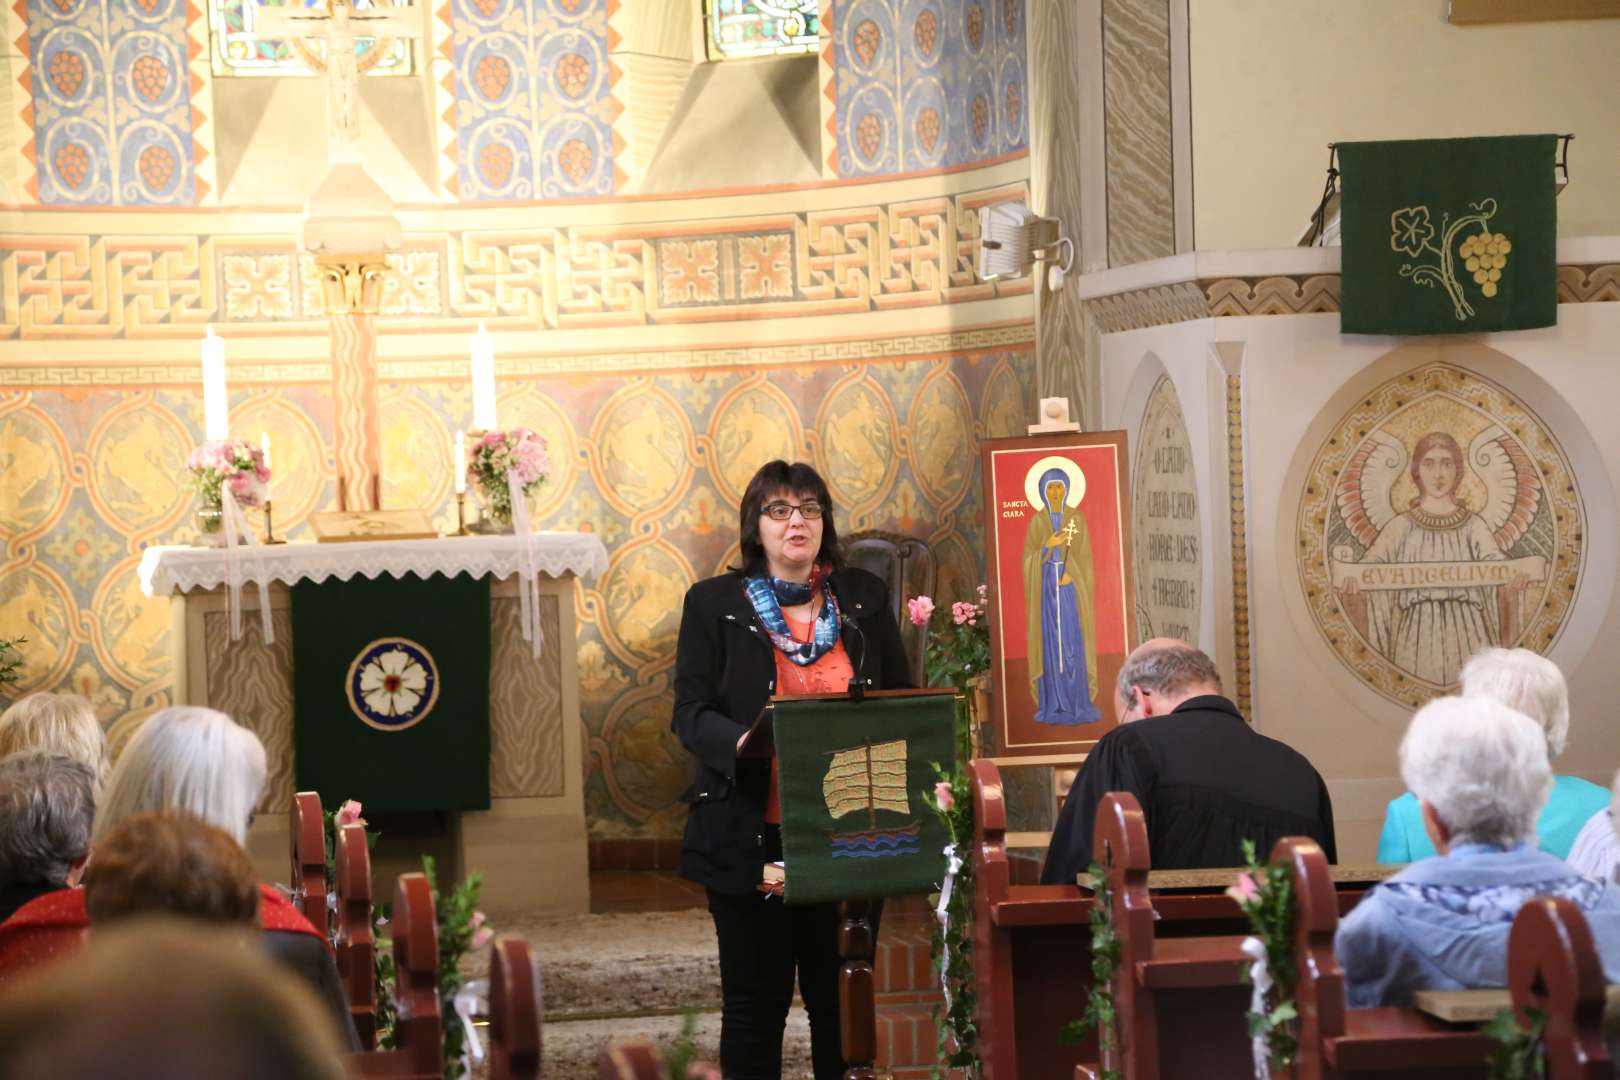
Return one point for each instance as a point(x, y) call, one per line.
point(767, 594)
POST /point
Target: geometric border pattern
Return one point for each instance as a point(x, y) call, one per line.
point(909, 253)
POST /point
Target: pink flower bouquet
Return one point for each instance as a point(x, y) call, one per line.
point(228, 461)
point(520, 452)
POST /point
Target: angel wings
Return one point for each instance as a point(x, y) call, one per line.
point(1512, 484)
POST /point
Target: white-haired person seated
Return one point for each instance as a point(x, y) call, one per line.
point(183, 758)
point(1480, 773)
point(56, 723)
point(47, 802)
point(1533, 685)
point(1596, 851)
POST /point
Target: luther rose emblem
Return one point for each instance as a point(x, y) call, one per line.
point(393, 684)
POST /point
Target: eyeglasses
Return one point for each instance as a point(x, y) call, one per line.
point(779, 511)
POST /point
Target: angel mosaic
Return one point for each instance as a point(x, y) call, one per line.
point(1433, 549)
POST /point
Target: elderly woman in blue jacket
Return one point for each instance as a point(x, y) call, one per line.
point(1480, 774)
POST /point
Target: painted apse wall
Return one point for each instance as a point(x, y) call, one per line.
point(665, 346)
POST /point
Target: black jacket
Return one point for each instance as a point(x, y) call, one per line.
point(1206, 780)
point(725, 672)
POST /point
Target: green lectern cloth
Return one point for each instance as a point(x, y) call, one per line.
point(1448, 236)
point(391, 692)
point(855, 780)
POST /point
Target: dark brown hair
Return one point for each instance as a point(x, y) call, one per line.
point(171, 863)
point(775, 477)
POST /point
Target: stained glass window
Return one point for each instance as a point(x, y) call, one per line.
point(238, 50)
point(738, 29)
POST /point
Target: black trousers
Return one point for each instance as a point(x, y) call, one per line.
point(764, 943)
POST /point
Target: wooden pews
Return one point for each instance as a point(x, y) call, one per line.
point(631, 1059)
point(418, 1024)
point(1181, 1001)
point(1032, 944)
point(1553, 967)
point(514, 1011)
point(307, 831)
point(356, 944)
point(1336, 1042)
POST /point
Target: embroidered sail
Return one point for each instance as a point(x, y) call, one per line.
point(870, 777)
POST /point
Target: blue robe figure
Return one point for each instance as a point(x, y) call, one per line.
point(1058, 579)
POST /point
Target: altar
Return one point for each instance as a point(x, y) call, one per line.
point(530, 844)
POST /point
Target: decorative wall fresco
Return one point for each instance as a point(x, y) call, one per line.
point(921, 84)
point(534, 98)
point(111, 112)
point(654, 463)
point(1440, 517)
point(813, 262)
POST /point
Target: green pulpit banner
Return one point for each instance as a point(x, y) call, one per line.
point(856, 778)
point(1448, 236)
point(391, 692)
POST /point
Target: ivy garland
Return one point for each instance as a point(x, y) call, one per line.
point(1266, 895)
point(1518, 1054)
point(951, 945)
point(1105, 954)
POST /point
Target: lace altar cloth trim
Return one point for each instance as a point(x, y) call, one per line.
point(166, 570)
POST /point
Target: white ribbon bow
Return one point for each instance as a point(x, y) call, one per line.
point(1260, 978)
point(468, 1000)
point(238, 534)
point(953, 866)
point(528, 572)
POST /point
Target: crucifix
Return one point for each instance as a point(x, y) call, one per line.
point(349, 226)
point(338, 25)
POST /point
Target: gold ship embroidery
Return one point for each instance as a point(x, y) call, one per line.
point(870, 777)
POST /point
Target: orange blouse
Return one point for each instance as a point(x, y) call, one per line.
point(828, 674)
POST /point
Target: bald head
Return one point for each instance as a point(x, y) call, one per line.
point(1160, 674)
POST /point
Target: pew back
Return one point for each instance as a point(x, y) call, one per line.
point(1553, 968)
point(307, 833)
point(356, 945)
point(514, 1011)
point(417, 1021)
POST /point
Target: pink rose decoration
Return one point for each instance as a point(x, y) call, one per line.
point(1245, 891)
point(962, 612)
point(943, 795)
point(921, 609)
point(349, 814)
point(478, 919)
point(482, 936)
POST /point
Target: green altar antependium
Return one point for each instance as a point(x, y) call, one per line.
point(856, 778)
point(1448, 236)
point(391, 692)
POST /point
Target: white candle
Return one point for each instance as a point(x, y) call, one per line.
point(216, 404)
point(483, 381)
point(264, 449)
point(458, 462)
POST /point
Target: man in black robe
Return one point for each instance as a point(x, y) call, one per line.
point(1205, 779)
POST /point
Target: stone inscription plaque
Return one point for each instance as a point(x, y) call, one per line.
point(1169, 562)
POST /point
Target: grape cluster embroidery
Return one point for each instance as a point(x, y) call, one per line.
point(1482, 255)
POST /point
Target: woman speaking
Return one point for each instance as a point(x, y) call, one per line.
point(792, 620)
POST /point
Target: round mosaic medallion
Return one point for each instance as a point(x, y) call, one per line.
point(1439, 518)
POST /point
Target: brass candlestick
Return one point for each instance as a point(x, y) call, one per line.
point(269, 527)
point(461, 514)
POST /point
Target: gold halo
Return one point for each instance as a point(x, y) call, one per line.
point(1077, 481)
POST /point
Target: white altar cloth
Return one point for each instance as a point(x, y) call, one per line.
point(166, 570)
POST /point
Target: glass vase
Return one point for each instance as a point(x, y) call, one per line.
point(209, 519)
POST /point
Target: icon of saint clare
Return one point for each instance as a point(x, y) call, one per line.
point(1058, 588)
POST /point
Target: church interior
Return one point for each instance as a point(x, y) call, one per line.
point(401, 251)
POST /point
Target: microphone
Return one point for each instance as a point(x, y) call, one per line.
point(857, 684)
